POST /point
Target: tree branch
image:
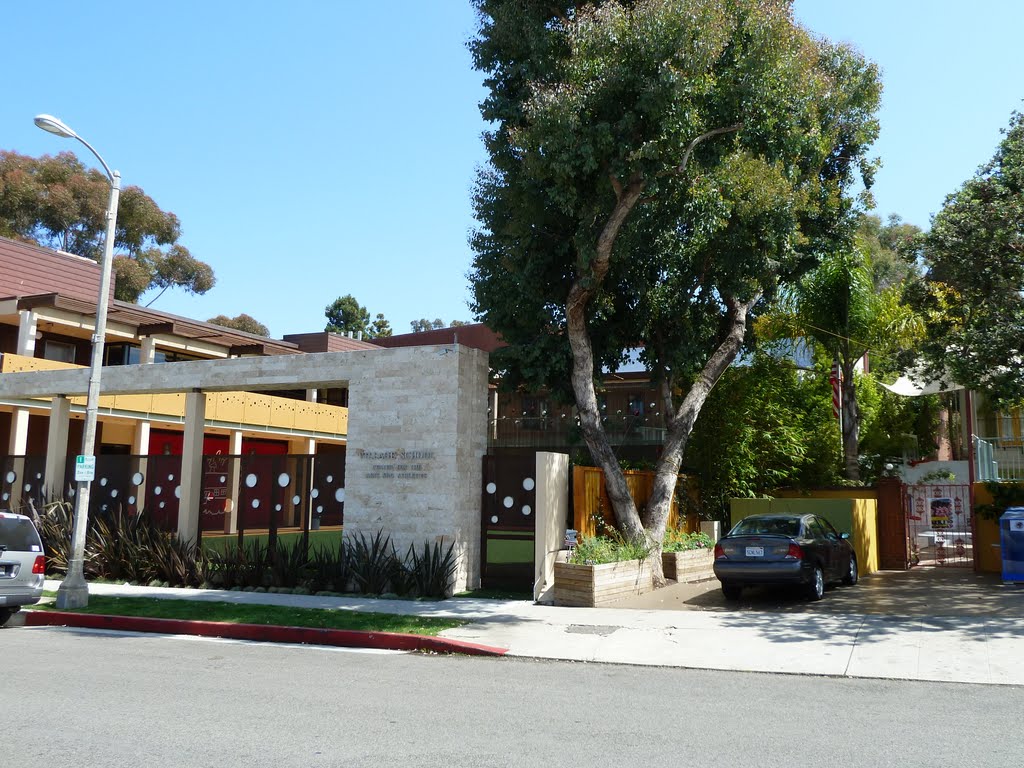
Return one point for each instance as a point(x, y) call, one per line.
point(681, 168)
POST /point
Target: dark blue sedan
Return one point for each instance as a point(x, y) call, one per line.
point(780, 549)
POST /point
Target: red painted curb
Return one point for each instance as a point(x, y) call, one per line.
point(344, 638)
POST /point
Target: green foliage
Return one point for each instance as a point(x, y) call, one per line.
point(1004, 496)
point(346, 315)
point(431, 570)
point(418, 326)
point(972, 299)
point(764, 426)
point(242, 322)
point(678, 540)
point(372, 562)
point(59, 203)
point(595, 550)
point(892, 425)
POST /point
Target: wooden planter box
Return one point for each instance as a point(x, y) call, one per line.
point(689, 566)
point(592, 586)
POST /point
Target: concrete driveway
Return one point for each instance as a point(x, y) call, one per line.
point(922, 591)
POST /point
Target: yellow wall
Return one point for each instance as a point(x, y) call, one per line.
point(988, 552)
point(249, 410)
point(855, 513)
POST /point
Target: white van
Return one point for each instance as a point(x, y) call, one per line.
point(22, 564)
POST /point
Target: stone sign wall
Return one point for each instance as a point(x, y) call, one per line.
point(417, 434)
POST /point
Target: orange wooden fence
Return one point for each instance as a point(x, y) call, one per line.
point(591, 503)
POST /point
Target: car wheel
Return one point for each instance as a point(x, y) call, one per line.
point(816, 588)
point(5, 614)
point(852, 575)
point(731, 591)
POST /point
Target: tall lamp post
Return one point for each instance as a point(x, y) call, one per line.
point(74, 591)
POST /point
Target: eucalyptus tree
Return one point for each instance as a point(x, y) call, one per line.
point(57, 202)
point(657, 169)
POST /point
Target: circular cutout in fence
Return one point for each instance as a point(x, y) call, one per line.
point(223, 479)
point(277, 507)
point(131, 499)
point(71, 491)
point(11, 477)
point(314, 493)
point(39, 476)
point(255, 503)
point(161, 505)
point(319, 510)
point(177, 491)
point(528, 484)
point(250, 480)
point(6, 496)
point(296, 500)
point(494, 518)
point(170, 478)
point(339, 495)
point(103, 507)
point(330, 478)
point(103, 481)
point(283, 479)
point(28, 487)
point(113, 493)
point(526, 509)
point(137, 478)
point(157, 491)
point(491, 487)
point(508, 502)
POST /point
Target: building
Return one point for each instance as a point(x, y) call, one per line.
point(47, 318)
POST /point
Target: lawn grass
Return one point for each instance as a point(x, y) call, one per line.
point(274, 615)
point(330, 538)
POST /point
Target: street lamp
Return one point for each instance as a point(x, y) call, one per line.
point(74, 591)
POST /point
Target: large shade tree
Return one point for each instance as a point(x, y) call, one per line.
point(657, 168)
point(59, 203)
point(973, 296)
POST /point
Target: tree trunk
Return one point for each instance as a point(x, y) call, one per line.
point(851, 422)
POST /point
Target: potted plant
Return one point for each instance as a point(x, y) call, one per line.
point(687, 557)
point(601, 570)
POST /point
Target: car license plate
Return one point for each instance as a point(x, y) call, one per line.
point(755, 551)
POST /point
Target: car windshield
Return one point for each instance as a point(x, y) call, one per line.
point(767, 526)
point(18, 535)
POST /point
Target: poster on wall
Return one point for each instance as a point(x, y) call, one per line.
point(941, 511)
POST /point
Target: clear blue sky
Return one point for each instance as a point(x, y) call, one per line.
point(314, 149)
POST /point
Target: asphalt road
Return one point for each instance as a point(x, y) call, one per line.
point(74, 698)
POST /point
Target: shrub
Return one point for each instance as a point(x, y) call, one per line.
point(432, 569)
point(677, 540)
point(595, 550)
point(372, 562)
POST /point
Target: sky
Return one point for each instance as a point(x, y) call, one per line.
point(319, 148)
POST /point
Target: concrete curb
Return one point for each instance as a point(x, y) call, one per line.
point(343, 638)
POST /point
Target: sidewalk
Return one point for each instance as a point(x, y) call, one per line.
point(967, 649)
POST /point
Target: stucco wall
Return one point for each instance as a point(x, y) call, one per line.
point(850, 512)
point(417, 432)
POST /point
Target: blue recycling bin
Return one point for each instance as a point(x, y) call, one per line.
point(1011, 530)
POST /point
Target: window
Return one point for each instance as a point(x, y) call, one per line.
point(59, 351)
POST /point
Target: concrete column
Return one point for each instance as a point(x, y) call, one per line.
point(147, 350)
point(27, 328)
point(234, 481)
point(16, 447)
point(57, 447)
point(18, 441)
point(552, 501)
point(302, 447)
point(191, 466)
point(140, 449)
point(311, 395)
